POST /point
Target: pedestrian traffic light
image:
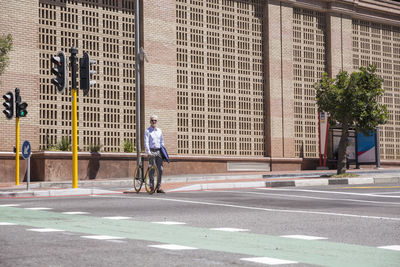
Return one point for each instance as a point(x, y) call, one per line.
point(85, 73)
point(60, 70)
point(9, 105)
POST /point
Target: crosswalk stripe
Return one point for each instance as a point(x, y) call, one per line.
point(172, 247)
point(304, 237)
point(45, 230)
point(38, 208)
point(269, 261)
point(227, 229)
point(394, 247)
point(169, 223)
point(117, 218)
point(75, 212)
point(103, 237)
point(7, 223)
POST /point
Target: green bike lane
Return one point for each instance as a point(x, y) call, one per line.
point(316, 252)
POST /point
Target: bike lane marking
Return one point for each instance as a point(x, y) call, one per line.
point(323, 253)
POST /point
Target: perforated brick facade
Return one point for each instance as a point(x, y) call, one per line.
point(226, 77)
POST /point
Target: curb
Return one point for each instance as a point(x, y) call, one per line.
point(65, 191)
point(56, 193)
point(288, 183)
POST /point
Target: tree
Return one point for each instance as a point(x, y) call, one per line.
point(352, 101)
point(6, 43)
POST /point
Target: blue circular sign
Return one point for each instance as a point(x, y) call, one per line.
point(26, 149)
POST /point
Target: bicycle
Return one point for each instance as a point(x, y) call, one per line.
point(149, 179)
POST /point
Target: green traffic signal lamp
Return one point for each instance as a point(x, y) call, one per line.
point(21, 109)
point(9, 105)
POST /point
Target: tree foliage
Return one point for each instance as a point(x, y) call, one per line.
point(6, 43)
point(352, 101)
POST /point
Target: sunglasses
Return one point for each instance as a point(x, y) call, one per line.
point(153, 120)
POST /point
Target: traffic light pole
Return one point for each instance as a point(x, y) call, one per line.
point(137, 76)
point(74, 120)
point(17, 151)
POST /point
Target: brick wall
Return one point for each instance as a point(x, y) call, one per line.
point(20, 19)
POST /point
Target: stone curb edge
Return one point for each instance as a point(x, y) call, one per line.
point(212, 186)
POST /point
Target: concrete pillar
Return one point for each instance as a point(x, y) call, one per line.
point(339, 43)
point(159, 42)
point(279, 95)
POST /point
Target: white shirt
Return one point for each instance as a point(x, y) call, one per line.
point(153, 138)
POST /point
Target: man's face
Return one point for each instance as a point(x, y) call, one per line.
point(153, 122)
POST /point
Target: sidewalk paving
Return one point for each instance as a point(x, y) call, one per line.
point(205, 182)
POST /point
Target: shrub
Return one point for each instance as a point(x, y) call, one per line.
point(128, 146)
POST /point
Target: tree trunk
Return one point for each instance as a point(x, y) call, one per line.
point(344, 140)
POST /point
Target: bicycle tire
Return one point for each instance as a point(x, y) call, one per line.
point(137, 179)
point(150, 180)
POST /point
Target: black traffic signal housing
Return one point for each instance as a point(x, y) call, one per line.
point(85, 73)
point(60, 70)
point(9, 105)
point(20, 107)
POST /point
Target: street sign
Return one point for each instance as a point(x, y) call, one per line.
point(26, 153)
point(26, 149)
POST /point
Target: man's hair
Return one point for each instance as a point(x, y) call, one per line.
point(154, 117)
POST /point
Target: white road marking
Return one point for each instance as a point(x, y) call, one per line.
point(103, 237)
point(309, 197)
point(227, 229)
point(6, 223)
point(75, 212)
point(45, 230)
point(10, 205)
point(269, 261)
point(172, 247)
point(169, 223)
point(117, 218)
point(385, 193)
point(257, 208)
point(394, 247)
point(327, 192)
point(304, 237)
point(38, 208)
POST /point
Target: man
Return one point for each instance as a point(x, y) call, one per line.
point(153, 140)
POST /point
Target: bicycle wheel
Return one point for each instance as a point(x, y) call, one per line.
point(137, 179)
point(150, 180)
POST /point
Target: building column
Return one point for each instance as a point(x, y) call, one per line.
point(339, 43)
point(160, 86)
point(279, 95)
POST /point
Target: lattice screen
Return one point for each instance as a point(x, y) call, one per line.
point(309, 61)
point(379, 44)
point(220, 77)
point(104, 29)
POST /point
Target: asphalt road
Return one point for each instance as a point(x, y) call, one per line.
point(324, 226)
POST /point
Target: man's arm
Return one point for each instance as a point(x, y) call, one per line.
point(146, 142)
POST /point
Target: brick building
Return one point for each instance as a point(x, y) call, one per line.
point(231, 80)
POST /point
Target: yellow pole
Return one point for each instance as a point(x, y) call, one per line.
point(74, 140)
point(17, 151)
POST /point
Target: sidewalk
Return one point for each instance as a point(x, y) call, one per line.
point(205, 182)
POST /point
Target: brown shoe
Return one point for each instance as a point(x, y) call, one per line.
point(160, 191)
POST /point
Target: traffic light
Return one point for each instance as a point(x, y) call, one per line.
point(60, 70)
point(9, 105)
point(85, 73)
point(20, 107)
